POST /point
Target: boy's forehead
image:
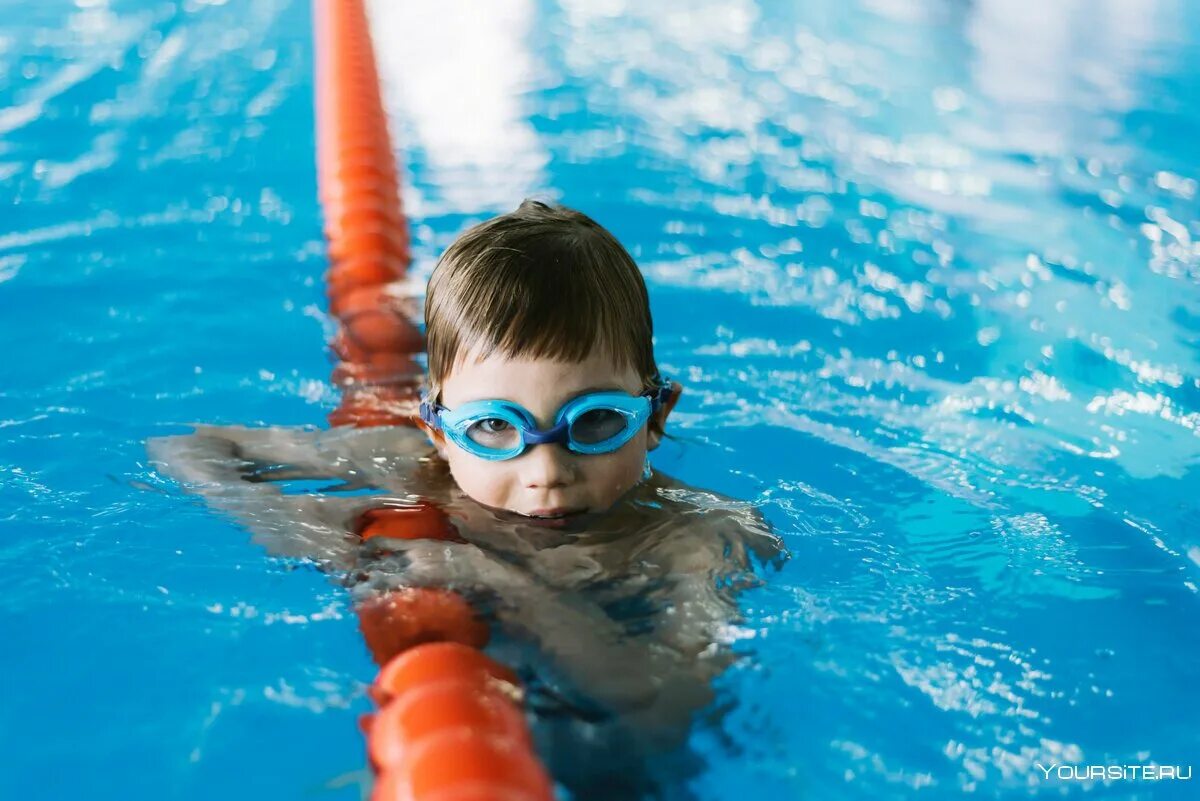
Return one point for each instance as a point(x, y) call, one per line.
point(533, 379)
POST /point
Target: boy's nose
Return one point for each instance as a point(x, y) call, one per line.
point(547, 466)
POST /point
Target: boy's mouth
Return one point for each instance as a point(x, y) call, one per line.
point(551, 517)
point(556, 517)
point(558, 511)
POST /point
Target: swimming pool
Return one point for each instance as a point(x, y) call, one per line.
point(929, 274)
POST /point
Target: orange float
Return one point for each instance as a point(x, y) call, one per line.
point(450, 727)
point(422, 521)
point(436, 662)
point(459, 759)
point(393, 622)
point(430, 709)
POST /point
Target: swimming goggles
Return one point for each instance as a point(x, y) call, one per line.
point(599, 422)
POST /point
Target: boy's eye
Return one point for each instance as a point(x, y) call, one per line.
point(597, 425)
point(493, 432)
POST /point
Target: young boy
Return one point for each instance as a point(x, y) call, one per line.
point(611, 582)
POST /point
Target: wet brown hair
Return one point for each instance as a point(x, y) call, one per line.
point(539, 282)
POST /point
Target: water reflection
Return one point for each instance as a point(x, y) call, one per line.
point(456, 92)
point(928, 270)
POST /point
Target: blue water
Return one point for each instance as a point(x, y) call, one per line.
point(930, 273)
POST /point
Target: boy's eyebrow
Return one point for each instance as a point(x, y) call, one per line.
point(598, 388)
point(589, 390)
point(571, 397)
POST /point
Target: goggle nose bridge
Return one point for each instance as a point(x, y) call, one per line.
point(559, 433)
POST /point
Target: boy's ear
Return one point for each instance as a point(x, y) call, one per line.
point(661, 415)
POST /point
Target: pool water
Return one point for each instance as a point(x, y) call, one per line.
point(929, 272)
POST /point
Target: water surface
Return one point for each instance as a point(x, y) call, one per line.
point(929, 273)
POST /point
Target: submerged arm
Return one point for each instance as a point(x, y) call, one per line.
point(578, 638)
point(706, 566)
point(241, 472)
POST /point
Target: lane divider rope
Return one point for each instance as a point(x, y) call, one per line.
point(450, 725)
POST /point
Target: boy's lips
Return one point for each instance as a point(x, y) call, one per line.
point(558, 511)
point(556, 517)
point(552, 516)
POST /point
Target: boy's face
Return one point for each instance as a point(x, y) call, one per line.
point(546, 480)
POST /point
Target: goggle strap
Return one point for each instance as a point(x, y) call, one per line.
point(660, 396)
point(429, 413)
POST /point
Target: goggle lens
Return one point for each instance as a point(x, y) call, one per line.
point(494, 433)
point(598, 425)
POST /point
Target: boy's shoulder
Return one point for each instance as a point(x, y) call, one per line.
point(707, 519)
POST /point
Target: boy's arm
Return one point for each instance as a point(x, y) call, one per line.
point(707, 564)
point(233, 454)
point(241, 472)
point(579, 639)
point(659, 680)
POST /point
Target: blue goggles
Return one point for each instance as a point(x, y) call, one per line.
point(600, 422)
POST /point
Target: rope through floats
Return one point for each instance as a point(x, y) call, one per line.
point(450, 725)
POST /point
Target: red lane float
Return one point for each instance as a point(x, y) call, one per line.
point(422, 521)
point(368, 236)
point(398, 620)
point(450, 725)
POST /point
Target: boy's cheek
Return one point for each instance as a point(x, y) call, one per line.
point(624, 468)
point(480, 480)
